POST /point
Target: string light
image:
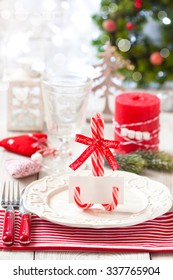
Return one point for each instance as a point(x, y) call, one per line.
point(165, 52)
point(166, 20)
point(137, 76)
point(124, 45)
point(160, 74)
point(162, 14)
point(113, 8)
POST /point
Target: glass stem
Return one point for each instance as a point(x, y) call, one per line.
point(64, 148)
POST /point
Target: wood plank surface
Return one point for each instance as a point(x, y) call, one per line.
point(90, 256)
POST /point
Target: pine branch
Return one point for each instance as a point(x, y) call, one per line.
point(157, 160)
point(135, 162)
point(131, 163)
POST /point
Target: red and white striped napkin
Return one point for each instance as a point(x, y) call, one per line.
point(152, 236)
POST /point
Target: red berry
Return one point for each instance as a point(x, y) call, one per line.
point(156, 58)
point(130, 26)
point(109, 25)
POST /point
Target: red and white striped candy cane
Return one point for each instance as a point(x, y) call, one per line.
point(97, 160)
point(100, 155)
point(100, 163)
point(94, 156)
point(84, 206)
point(113, 205)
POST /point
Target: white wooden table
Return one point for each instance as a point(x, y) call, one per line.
point(166, 144)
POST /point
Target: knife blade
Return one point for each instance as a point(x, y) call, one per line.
point(25, 226)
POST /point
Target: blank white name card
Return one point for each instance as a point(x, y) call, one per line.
point(96, 189)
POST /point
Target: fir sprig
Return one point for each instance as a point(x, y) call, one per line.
point(157, 160)
point(135, 162)
point(131, 162)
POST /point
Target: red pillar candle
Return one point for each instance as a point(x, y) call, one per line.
point(136, 121)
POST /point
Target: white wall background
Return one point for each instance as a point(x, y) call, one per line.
point(39, 34)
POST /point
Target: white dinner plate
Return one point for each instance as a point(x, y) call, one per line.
point(145, 199)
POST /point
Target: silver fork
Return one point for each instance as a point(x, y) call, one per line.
point(9, 203)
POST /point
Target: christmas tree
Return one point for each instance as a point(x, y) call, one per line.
point(142, 32)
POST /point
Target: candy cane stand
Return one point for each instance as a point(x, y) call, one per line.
point(98, 148)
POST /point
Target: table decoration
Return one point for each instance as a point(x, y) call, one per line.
point(98, 149)
point(144, 199)
point(157, 160)
point(151, 236)
point(136, 121)
point(24, 106)
point(20, 168)
point(33, 145)
point(108, 77)
point(26, 144)
point(139, 160)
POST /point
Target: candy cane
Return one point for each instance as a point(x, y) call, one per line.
point(100, 156)
point(94, 157)
point(84, 206)
point(113, 205)
point(100, 163)
point(97, 160)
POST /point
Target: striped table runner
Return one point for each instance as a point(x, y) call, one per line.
point(152, 236)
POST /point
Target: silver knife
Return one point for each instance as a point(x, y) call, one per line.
point(25, 226)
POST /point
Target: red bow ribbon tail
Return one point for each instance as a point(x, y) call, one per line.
point(40, 142)
point(110, 143)
point(83, 139)
point(110, 157)
point(101, 145)
point(83, 157)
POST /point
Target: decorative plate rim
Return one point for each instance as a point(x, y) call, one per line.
point(158, 195)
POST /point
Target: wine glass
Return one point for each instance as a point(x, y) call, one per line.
point(65, 100)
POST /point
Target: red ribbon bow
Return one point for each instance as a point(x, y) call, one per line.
point(41, 142)
point(101, 145)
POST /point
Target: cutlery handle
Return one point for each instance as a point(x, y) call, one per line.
point(25, 229)
point(8, 228)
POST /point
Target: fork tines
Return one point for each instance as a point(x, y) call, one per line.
point(9, 196)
